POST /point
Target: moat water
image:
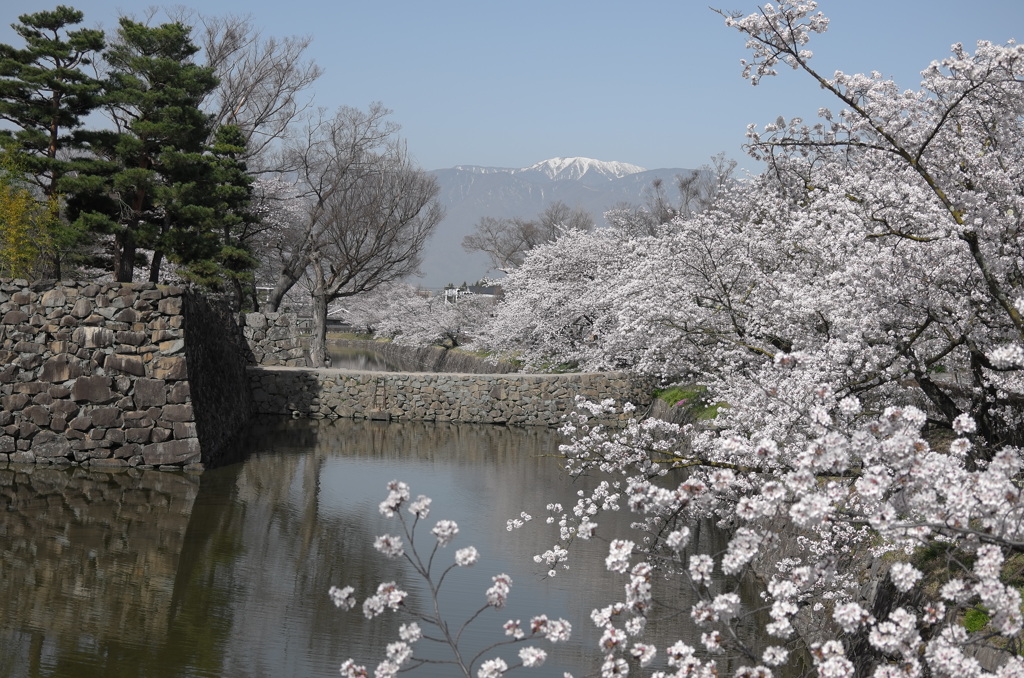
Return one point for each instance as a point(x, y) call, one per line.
point(165, 574)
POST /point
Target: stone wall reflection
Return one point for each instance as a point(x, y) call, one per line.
point(93, 552)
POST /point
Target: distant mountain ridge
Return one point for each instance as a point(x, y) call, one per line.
point(563, 169)
point(469, 192)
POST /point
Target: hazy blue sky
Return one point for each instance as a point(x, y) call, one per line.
point(653, 83)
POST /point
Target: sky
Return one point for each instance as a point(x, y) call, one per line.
point(649, 82)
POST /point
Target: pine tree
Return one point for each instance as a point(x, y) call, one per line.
point(211, 244)
point(152, 94)
point(45, 93)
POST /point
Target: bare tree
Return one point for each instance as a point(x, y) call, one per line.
point(699, 188)
point(367, 212)
point(325, 159)
point(373, 233)
point(501, 239)
point(263, 81)
point(507, 240)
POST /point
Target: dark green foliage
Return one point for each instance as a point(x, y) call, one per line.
point(158, 177)
point(45, 93)
point(153, 93)
point(211, 243)
point(167, 188)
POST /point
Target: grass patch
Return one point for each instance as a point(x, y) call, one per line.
point(975, 619)
point(693, 397)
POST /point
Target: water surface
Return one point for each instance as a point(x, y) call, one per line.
point(165, 574)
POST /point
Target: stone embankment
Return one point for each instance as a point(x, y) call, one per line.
point(145, 375)
point(273, 339)
point(515, 399)
point(99, 374)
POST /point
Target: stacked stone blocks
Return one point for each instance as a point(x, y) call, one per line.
point(513, 399)
point(273, 339)
point(94, 374)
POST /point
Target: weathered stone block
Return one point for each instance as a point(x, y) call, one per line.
point(172, 347)
point(64, 408)
point(150, 393)
point(92, 389)
point(57, 447)
point(129, 451)
point(14, 317)
point(82, 308)
point(159, 434)
point(29, 347)
point(93, 337)
point(177, 413)
point(127, 315)
point(185, 429)
point(106, 416)
point(129, 364)
point(170, 367)
point(54, 297)
point(29, 361)
point(81, 423)
point(37, 414)
point(14, 403)
point(169, 306)
point(131, 338)
point(172, 452)
point(137, 435)
point(60, 368)
point(180, 393)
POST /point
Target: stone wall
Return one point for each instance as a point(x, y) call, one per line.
point(517, 399)
point(99, 374)
point(273, 339)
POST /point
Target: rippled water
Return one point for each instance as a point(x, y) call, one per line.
point(150, 573)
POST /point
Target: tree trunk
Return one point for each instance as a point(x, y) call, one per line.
point(154, 266)
point(285, 281)
point(124, 257)
point(318, 333)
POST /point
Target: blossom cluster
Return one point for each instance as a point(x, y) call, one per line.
point(854, 319)
point(400, 655)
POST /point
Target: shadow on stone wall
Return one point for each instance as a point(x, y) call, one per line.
point(216, 354)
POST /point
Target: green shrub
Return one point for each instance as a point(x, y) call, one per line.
point(693, 397)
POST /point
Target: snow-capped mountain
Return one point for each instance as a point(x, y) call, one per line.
point(469, 192)
point(562, 169)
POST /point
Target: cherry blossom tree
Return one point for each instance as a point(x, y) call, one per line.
point(416, 317)
point(857, 308)
point(850, 305)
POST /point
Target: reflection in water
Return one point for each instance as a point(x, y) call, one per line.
point(358, 359)
point(161, 574)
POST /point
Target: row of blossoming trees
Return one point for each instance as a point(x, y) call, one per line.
point(858, 308)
